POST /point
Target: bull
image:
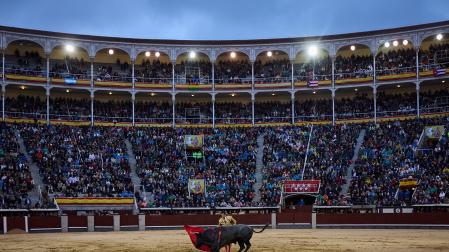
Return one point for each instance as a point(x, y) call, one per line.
point(219, 237)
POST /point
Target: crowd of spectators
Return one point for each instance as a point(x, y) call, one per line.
point(232, 72)
point(25, 63)
point(273, 71)
point(233, 112)
point(155, 72)
point(165, 166)
point(15, 177)
point(193, 112)
point(80, 161)
point(272, 111)
point(396, 61)
point(354, 66)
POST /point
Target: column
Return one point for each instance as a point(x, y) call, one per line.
point(48, 69)
point(64, 223)
point(374, 68)
point(116, 222)
point(213, 75)
point(252, 76)
point(92, 72)
point(293, 107)
point(133, 97)
point(47, 92)
point(90, 223)
point(141, 222)
point(292, 62)
point(92, 95)
point(213, 110)
point(253, 98)
point(3, 102)
point(333, 71)
point(173, 101)
point(418, 114)
point(313, 219)
point(417, 64)
point(273, 220)
point(133, 81)
point(333, 106)
point(375, 103)
point(173, 63)
point(3, 66)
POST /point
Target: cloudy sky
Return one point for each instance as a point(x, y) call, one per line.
point(219, 19)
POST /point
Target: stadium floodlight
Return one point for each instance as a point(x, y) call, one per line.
point(69, 48)
point(398, 86)
point(387, 44)
point(157, 54)
point(233, 94)
point(192, 95)
point(192, 54)
point(153, 94)
point(353, 48)
point(22, 87)
point(395, 43)
point(356, 89)
point(233, 55)
point(110, 92)
point(443, 81)
point(313, 50)
point(439, 36)
point(67, 90)
point(147, 54)
point(314, 92)
point(273, 94)
point(405, 42)
point(111, 51)
point(269, 53)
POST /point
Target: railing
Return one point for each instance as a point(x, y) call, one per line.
point(155, 120)
point(31, 115)
point(354, 75)
point(400, 112)
point(396, 70)
point(25, 72)
point(305, 77)
point(197, 120)
point(313, 118)
point(262, 119)
point(70, 117)
point(112, 118)
point(111, 78)
point(151, 80)
point(352, 115)
point(234, 120)
point(62, 75)
point(246, 80)
point(434, 109)
point(210, 209)
point(272, 80)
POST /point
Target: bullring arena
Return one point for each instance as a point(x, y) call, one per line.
point(332, 143)
point(270, 240)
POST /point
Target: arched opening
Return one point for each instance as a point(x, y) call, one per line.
point(313, 105)
point(153, 69)
point(354, 103)
point(272, 67)
point(233, 108)
point(25, 61)
point(273, 107)
point(112, 106)
point(193, 108)
point(396, 100)
point(434, 53)
point(68, 104)
point(313, 64)
point(353, 62)
point(70, 65)
point(396, 59)
point(434, 96)
point(193, 68)
point(233, 70)
point(23, 101)
point(112, 68)
point(153, 108)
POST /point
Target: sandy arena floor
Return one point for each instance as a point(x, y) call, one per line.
point(269, 240)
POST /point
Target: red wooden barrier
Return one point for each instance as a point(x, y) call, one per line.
point(129, 220)
point(77, 221)
point(16, 222)
point(294, 217)
point(106, 220)
point(44, 222)
point(386, 218)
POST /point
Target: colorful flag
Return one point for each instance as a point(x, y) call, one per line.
point(439, 72)
point(313, 83)
point(196, 186)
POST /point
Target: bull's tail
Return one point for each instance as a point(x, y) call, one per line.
point(266, 225)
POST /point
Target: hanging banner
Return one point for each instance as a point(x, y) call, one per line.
point(434, 132)
point(196, 186)
point(301, 186)
point(193, 141)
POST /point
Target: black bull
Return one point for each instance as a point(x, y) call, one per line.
point(229, 234)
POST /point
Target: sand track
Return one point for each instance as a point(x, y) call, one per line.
point(270, 240)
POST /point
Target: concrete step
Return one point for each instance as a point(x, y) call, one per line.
point(133, 164)
point(348, 177)
point(259, 168)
